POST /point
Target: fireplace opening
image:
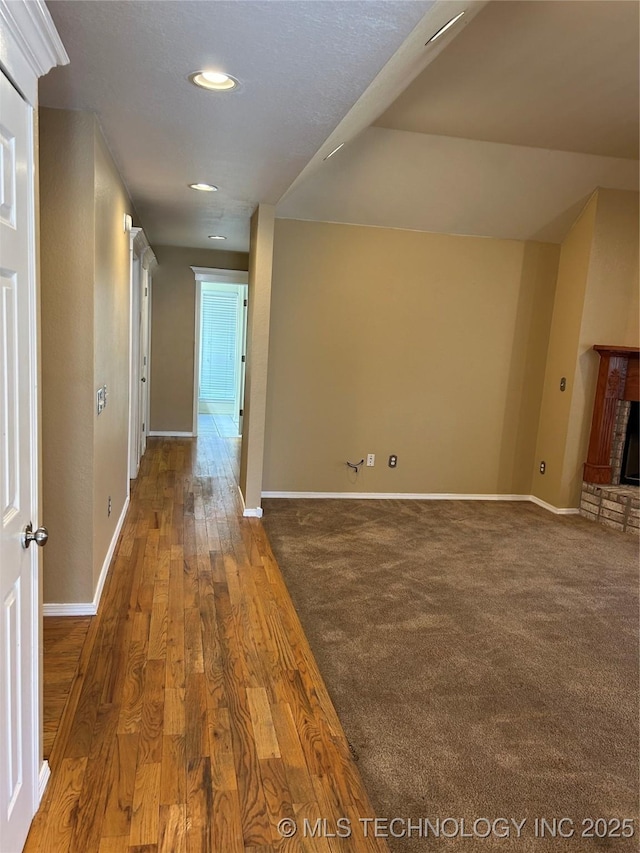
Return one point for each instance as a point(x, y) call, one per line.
point(630, 473)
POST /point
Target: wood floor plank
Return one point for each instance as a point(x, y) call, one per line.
point(196, 717)
point(62, 813)
point(297, 771)
point(226, 831)
point(173, 828)
point(173, 781)
point(121, 784)
point(174, 711)
point(264, 733)
point(93, 796)
point(145, 814)
point(114, 844)
point(152, 713)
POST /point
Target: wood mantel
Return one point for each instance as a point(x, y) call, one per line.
point(618, 379)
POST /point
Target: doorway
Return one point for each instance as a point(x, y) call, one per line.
point(220, 349)
point(142, 262)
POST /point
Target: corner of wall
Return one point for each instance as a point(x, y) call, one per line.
point(596, 303)
point(258, 320)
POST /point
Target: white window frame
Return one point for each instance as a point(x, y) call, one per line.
point(210, 275)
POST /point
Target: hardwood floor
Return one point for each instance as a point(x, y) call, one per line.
point(198, 719)
point(62, 641)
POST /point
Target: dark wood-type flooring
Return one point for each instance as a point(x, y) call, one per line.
point(197, 719)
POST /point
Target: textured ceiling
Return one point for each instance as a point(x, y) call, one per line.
point(302, 66)
point(505, 133)
point(511, 121)
point(444, 184)
point(560, 75)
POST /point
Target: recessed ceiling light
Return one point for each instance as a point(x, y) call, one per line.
point(216, 237)
point(215, 81)
point(445, 28)
point(331, 153)
point(204, 188)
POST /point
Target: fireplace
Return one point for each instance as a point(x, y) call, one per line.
point(630, 463)
point(610, 491)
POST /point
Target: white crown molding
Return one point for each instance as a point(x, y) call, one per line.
point(142, 248)
point(30, 45)
point(219, 275)
point(149, 260)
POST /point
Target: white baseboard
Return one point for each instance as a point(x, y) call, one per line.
point(170, 434)
point(90, 608)
point(383, 496)
point(43, 779)
point(249, 512)
point(554, 509)
point(75, 608)
point(428, 496)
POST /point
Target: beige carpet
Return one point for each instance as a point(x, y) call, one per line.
point(483, 659)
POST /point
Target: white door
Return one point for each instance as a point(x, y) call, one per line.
point(243, 361)
point(134, 424)
point(143, 405)
point(19, 713)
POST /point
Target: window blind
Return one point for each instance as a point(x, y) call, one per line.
point(218, 334)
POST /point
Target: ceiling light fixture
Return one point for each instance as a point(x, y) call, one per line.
point(445, 28)
point(214, 81)
point(204, 188)
point(334, 151)
point(216, 237)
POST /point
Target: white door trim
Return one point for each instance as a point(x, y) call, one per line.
point(30, 46)
point(141, 262)
point(215, 276)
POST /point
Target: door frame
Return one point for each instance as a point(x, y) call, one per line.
point(212, 276)
point(142, 260)
point(29, 48)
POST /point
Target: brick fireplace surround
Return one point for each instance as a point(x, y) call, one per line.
point(603, 498)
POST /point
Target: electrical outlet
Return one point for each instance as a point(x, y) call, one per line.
point(371, 460)
point(543, 467)
point(109, 507)
point(393, 461)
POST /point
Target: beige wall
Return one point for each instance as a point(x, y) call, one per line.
point(110, 350)
point(596, 303)
point(66, 251)
point(575, 258)
point(427, 346)
point(172, 331)
point(85, 329)
point(258, 322)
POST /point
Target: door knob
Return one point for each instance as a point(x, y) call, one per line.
point(144, 379)
point(39, 536)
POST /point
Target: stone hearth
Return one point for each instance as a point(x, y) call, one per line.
point(614, 506)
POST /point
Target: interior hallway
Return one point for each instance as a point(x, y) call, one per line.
point(198, 718)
